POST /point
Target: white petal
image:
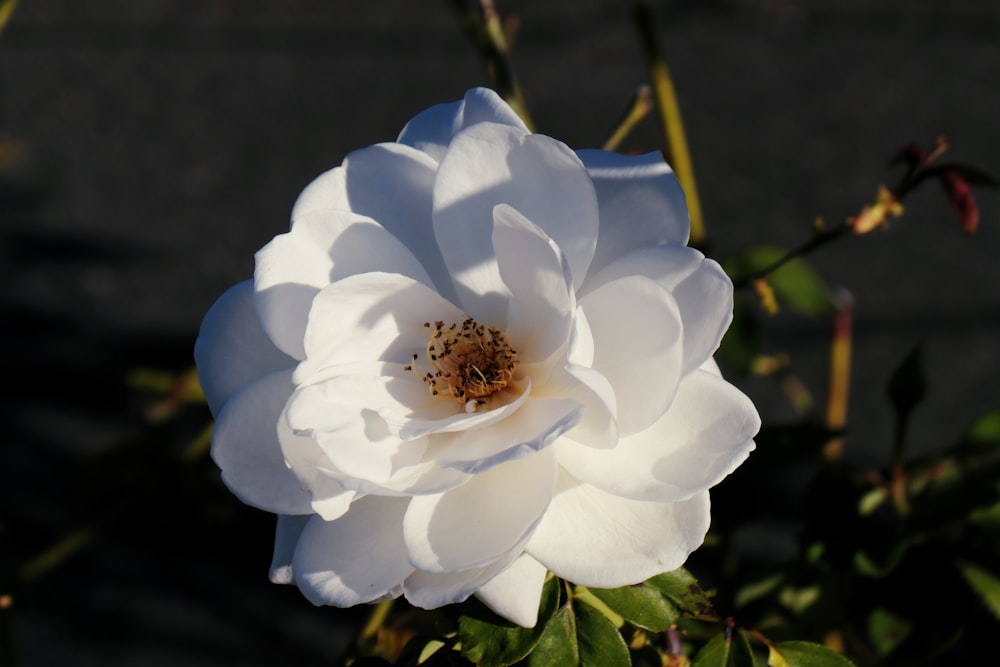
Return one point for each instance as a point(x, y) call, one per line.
point(703, 291)
point(641, 203)
point(432, 130)
point(707, 432)
point(322, 247)
point(246, 447)
point(390, 183)
point(429, 590)
point(492, 515)
point(483, 105)
point(358, 558)
point(327, 401)
point(705, 300)
point(328, 190)
point(345, 412)
point(581, 341)
point(516, 592)
point(232, 349)
point(532, 428)
point(638, 347)
point(341, 413)
point(369, 317)
point(498, 406)
point(309, 463)
point(542, 303)
point(595, 539)
point(588, 387)
point(490, 164)
point(331, 499)
point(286, 537)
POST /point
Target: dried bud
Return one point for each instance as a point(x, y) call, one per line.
point(766, 295)
point(962, 199)
point(876, 215)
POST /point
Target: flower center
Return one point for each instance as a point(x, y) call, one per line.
point(469, 361)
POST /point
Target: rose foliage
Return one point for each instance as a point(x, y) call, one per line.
point(477, 355)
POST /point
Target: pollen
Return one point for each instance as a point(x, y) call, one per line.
point(468, 362)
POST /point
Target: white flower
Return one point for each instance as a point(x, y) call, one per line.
point(476, 356)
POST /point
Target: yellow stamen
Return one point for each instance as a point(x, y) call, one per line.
point(469, 362)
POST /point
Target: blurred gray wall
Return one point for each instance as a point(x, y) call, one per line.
point(151, 146)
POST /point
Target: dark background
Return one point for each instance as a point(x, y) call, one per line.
point(149, 147)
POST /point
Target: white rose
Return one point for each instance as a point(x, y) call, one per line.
point(478, 355)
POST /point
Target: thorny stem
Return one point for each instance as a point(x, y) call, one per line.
point(840, 375)
point(484, 28)
point(375, 620)
point(914, 176)
point(918, 171)
point(584, 595)
point(674, 644)
point(639, 107)
point(6, 11)
point(760, 636)
point(60, 552)
point(897, 481)
point(676, 150)
point(817, 241)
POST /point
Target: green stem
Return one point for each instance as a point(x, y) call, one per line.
point(584, 595)
point(63, 550)
point(817, 241)
point(913, 178)
point(375, 620)
point(676, 150)
point(484, 28)
point(638, 108)
point(6, 11)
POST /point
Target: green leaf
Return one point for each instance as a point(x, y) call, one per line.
point(640, 605)
point(807, 654)
point(419, 648)
point(683, 590)
point(742, 341)
point(987, 518)
point(872, 500)
point(580, 636)
point(796, 285)
point(983, 582)
point(797, 600)
point(727, 649)
point(951, 488)
point(491, 641)
point(887, 630)
point(600, 643)
point(558, 646)
point(881, 559)
point(757, 589)
point(428, 651)
point(983, 434)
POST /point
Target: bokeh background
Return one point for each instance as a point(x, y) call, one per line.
point(149, 147)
